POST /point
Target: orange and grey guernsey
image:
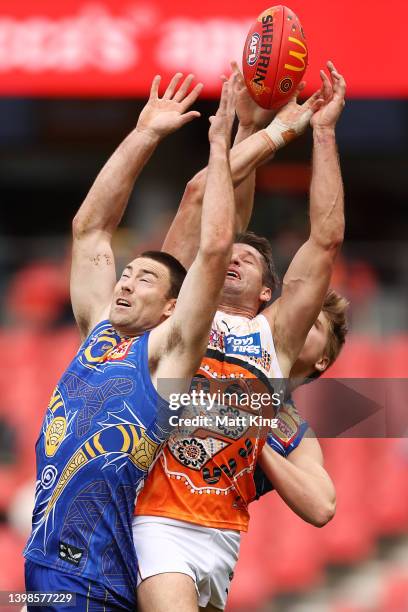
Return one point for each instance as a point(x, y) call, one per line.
point(206, 477)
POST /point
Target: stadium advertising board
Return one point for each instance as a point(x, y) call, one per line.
point(106, 48)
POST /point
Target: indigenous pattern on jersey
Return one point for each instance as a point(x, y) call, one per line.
point(283, 439)
point(206, 477)
point(103, 427)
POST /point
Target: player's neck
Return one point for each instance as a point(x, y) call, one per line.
point(299, 374)
point(239, 311)
point(294, 383)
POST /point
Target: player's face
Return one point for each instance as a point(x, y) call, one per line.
point(140, 299)
point(244, 280)
point(312, 355)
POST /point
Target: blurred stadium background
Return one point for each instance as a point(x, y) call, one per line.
point(73, 76)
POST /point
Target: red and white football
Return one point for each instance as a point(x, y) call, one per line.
point(275, 57)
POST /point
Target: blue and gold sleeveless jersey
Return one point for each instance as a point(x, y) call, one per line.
point(102, 430)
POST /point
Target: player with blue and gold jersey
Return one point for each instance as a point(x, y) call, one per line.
point(106, 419)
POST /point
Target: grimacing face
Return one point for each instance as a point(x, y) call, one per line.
point(140, 299)
point(313, 354)
point(244, 279)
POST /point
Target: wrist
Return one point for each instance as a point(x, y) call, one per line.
point(219, 147)
point(277, 132)
point(247, 129)
point(148, 134)
point(324, 132)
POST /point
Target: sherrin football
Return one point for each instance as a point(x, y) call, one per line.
point(275, 57)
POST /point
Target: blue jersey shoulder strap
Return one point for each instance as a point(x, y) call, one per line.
point(283, 439)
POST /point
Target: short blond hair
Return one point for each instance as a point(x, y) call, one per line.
point(335, 308)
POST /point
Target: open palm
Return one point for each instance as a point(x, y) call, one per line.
point(162, 116)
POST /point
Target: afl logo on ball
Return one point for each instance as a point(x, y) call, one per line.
point(253, 48)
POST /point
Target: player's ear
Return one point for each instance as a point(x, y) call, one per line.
point(322, 364)
point(266, 294)
point(170, 306)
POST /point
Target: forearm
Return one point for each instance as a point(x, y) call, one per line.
point(310, 495)
point(326, 191)
point(218, 222)
point(245, 157)
point(245, 192)
point(183, 238)
point(249, 154)
point(108, 197)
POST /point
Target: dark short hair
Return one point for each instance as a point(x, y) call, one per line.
point(262, 245)
point(177, 271)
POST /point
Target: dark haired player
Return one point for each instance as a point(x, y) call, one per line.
point(106, 419)
point(195, 502)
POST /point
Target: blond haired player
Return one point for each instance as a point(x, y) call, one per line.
point(196, 499)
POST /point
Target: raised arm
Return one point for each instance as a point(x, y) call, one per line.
point(252, 118)
point(93, 269)
point(252, 148)
point(307, 280)
point(301, 481)
point(180, 342)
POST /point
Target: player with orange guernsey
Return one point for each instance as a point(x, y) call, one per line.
point(195, 502)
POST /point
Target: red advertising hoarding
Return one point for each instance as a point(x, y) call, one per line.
point(113, 48)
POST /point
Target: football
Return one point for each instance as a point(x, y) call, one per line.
point(275, 57)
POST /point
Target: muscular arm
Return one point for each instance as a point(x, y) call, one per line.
point(183, 238)
point(245, 192)
point(301, 481)
point(93, 270)
point(252, 118)
point(180, 342)
point(249, 152)
point(306, 282)
point(93, 274)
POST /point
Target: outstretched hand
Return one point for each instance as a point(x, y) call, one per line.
point(222, 122)
point(332, 95)
point(293, 119)
point(322, 109)
point(162, 116)
point(249, 113)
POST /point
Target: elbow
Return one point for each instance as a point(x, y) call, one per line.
point(193, 193)
point(337, 237)
point(218, 246)
point(332, 242)
point(324, 514)
point(83, 227)
point(78, 228)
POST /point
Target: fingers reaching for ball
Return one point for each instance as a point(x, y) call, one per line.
point(332, 91)
point(222, 122)
point(251, 116)
point(339, 84)
point(326, 88)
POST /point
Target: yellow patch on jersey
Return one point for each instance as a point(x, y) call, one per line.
point(144, 452)
point(76, 462)
point(54, 435)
